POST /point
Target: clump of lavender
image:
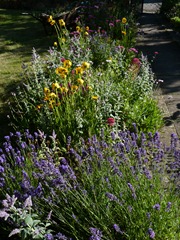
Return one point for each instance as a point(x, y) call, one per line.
point(116, 184)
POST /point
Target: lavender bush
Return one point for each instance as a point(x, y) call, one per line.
point(122, 186)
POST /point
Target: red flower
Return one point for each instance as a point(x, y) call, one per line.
point(111, 121)
point(136, 61)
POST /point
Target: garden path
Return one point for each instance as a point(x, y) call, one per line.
point(155, 35)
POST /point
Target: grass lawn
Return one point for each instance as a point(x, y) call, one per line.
point(19, 33)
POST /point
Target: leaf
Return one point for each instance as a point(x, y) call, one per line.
point(14, 231)
point(36, 222)
point(29, 220)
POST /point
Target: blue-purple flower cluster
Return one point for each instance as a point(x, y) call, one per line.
point(98, 184)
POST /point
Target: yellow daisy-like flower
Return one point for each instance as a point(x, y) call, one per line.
point(94, 97)
point(80, 81)
point(46, 90)
point(79, 70)
point(64, 89)
point(124, 20)
point(55, 86)
point(67, 63)
point(50, 18)
point(87, 28)
point(55, 44)
point(61, 71)
point(52, 95)
point(74, 87)
point(78, 29)
point(62, 23)
point(86, 33)
point(52, 22)
point(123, 33)
point(85, 65)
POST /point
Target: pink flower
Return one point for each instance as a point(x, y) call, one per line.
point(133, 50)
point(111, 121)
point(136, 61)
point(111, 24)
point(63, 59)
point(156, 53)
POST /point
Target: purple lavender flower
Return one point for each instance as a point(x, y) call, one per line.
point(148, 215)
point(132, 190)
point(117, 229)
point(157, 206)
point(1, 169)
point(96, 234)
point(49, 236)
point(60, 236)
point(151, 233)
point(112, 197)
point(169, 204)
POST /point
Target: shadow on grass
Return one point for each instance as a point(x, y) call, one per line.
point(19, 34)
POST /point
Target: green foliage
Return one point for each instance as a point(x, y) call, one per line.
point(27, 223)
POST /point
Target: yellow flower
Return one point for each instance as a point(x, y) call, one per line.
point(51, 104)
point(79, 70)
point(63, 40)
point(80, 81)
point(89, 88)
point(87, 28)
point(78, 29)
point(55, 86)
point(64, 89)
point(52, 95)
point(85, 65)
point(55, 44)
point(86, 33)
point(50, 18)
point(94, 97)
point(74, 87)
point(62, 75)
point(62, 23)
point(61, 71)
point(123, 33)
point(39, 106)
point(124, 20)
point(46, 90)
point(52, 22)
point(67, 63)
point(46, 98)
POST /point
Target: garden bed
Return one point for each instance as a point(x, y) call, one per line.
point(85, 160)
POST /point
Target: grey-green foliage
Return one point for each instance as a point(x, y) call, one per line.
point(27, 224)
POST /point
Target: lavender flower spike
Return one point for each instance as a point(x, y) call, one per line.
point(96, 234)
point(28, 202)
point(151, 233)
